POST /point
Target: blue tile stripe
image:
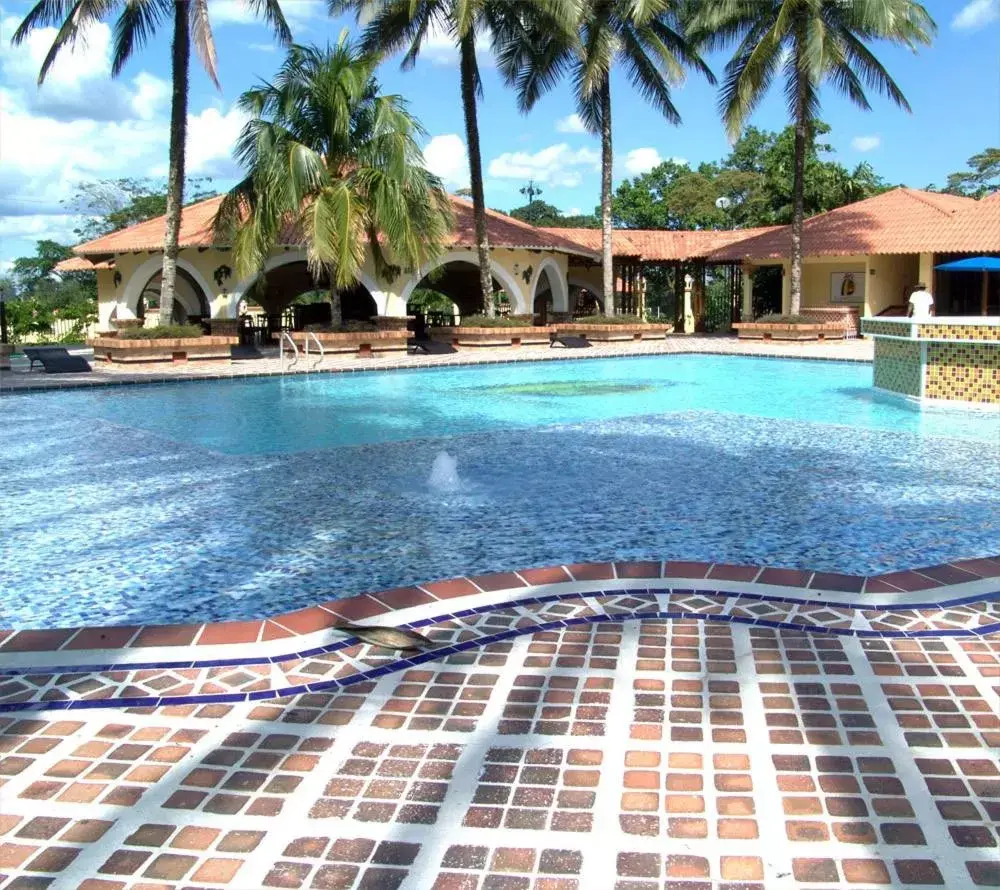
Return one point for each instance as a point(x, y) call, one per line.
point(436, 654)
point(347, 642)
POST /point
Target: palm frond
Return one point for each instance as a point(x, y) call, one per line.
point(270, 12)
point(204, 42)
point(134, 28)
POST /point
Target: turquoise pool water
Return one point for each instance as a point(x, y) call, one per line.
point(200, 501)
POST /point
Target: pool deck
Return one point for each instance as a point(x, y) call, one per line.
point(623, 726)
point(20, 380)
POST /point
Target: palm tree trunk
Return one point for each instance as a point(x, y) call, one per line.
point(467, 49)
point(607, 157)
point(336, 310)
point(798, 195)
point(175, 174)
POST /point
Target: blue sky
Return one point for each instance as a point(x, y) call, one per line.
point(82, 125)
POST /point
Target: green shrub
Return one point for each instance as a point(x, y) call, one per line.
point(161, 332)
point(609, 319)
point(778, 318)
point(496, 321)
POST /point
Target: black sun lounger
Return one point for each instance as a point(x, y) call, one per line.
point(569, 342)
point(56, 360)
point(430, 347)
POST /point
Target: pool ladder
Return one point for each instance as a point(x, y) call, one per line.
point(310, 335)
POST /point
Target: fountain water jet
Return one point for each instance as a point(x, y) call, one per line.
point(444, 473)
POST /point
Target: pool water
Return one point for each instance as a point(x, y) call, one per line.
point(226, 500)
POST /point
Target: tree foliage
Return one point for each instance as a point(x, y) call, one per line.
point(113, 204)
point(752, 186)
point(327, 154)
point(980, 179)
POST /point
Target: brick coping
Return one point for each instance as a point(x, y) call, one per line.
point(44, 669)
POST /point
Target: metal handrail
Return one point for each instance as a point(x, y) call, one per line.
point(281, 350)
point(319, 346)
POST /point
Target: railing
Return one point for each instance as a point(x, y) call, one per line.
point(311, 335)
point(281, 351)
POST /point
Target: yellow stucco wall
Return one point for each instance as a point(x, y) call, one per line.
point(517, 270)
point(892, 281)
point(816, 280)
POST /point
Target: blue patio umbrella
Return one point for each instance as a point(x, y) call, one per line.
point(972, 264)
point(984, 264)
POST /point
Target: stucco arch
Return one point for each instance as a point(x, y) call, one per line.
point(506, 278)
point(557, 284)
point(137, 282)
point(299, 256)
point(584, 284)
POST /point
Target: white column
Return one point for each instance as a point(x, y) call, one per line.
point(688, 309)
point(747, 312)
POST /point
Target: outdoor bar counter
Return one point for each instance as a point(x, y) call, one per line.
point(952, 359)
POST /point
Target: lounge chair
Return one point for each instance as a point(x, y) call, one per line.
point(568, 342)
point(429, 347)
point(56, 360)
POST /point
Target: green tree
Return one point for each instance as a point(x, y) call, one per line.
point(810, 42)
point(327, 153)
point(29, 272)
point(982, 177)
point(137, 22)
point(114, 204)
point(538, 213)
point(645, 37)
point(393, 25)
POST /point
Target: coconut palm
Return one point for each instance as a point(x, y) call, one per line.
point(332, 161)
point(809, 42)
point(645, 37)
point(393, 25)
point(137, 22)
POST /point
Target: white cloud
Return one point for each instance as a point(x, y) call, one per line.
point(976, 14)
point(642, 160)
point(447, 158)
point(236, 12)
point(263, 47)
point(571, 124)
point(557, 165)
point(78, 85)
point(573, 211)
point(866, 143)
point(210, 139)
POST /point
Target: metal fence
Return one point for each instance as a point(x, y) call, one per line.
point(61, 327)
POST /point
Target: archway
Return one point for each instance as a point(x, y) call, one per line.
point(191, 291)
point(291, 297)
point(190, 301)
point(584, 298)
point(543, 302)
point(458, 282)
point(464, 293)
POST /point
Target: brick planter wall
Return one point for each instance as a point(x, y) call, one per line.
point(115, 350)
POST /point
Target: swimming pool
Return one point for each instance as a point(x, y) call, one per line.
point(223, 500)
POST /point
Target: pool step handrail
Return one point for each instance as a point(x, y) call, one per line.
point(281, 350)
point(311, 335)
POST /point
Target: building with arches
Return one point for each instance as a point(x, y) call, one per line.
point(529, 266)
point(862, 259)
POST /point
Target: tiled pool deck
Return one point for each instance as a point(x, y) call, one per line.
point(618, 727)
point(20, 380)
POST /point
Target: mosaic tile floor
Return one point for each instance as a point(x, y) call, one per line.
point(627, 727)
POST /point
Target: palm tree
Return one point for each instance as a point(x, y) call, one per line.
point(809, 42)
point(646, 37)
point(332, 161)
point(137, 22)
point(395, 24)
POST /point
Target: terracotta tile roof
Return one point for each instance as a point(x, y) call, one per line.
point(196, 231)
point(81, 264)
point(621, 242)
point(660, 246)
point(899, 221)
